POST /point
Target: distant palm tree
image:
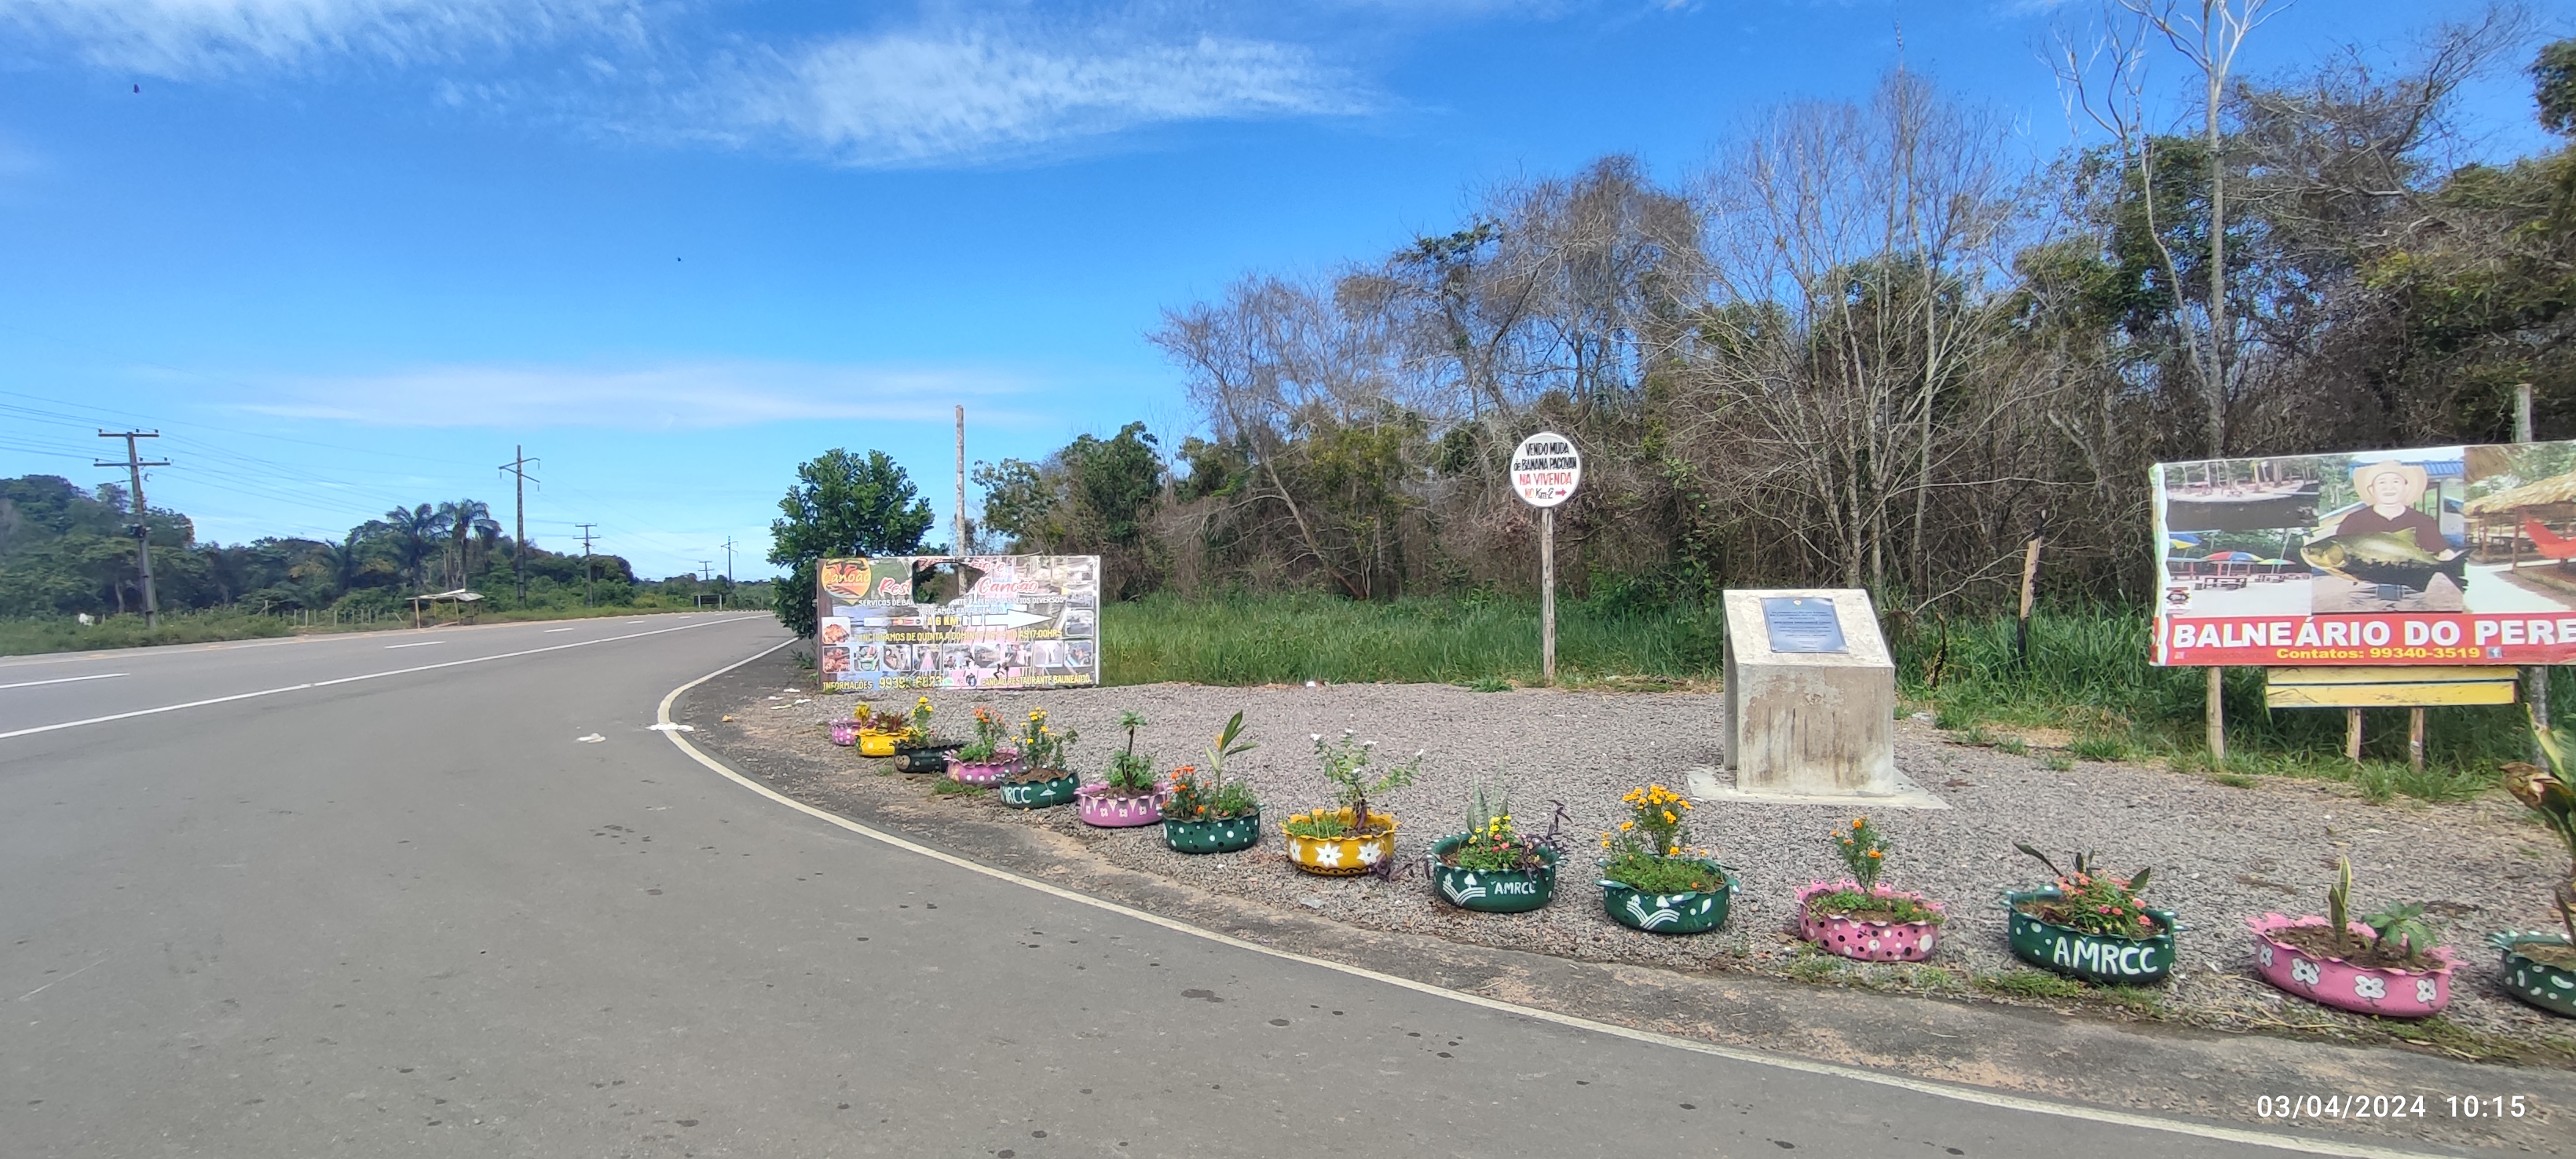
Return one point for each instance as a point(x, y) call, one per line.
point(412, 529)
point(462, 521)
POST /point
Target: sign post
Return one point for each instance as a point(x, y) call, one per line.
point(1545, 470)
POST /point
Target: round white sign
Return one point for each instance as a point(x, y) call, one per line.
point(1546, 469)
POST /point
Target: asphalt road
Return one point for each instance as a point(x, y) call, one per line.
point(386, 909)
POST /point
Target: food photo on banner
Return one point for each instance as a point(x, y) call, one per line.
point(2435, 555)
point(935, 621)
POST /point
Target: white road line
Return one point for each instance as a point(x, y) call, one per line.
point(414, 644)
point(552, 631)
point(66, 680)
point(2297, 1144)
point(368, 676)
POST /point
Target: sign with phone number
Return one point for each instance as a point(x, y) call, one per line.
point(2486, 638)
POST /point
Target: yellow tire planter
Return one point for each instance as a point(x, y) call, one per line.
point(877, 744)
point(1341, 856)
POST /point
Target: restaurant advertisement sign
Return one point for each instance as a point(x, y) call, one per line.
point(2437, 555)
point(935, 621)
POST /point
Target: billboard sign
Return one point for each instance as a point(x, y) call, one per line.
point(2434, 555)
point(936, 621)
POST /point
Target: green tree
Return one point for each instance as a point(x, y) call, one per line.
point(411, 530)
point(842, 505)
point(462, 521)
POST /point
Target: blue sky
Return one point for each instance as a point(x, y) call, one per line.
point(347, 253)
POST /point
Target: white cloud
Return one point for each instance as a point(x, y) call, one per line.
point(915, 98)
point(198, 37)
point(683, 396)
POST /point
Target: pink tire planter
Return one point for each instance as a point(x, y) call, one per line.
point(2387, 991)
point(984, 772)
point(1096, 805)
point(1863, 941)
point(845, 733)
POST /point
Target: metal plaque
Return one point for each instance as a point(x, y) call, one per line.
point(1803, 624)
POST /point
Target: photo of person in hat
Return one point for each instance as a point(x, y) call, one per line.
point(2392, 490)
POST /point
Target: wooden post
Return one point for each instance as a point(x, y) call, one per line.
point(2352, 735)
point(2535, 679)
point(2029, 593)
point(1547, 594)
point(2415, 739)
point(2217, 719)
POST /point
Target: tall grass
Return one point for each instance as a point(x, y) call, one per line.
point(61, 634)
point(2087, 674)
point(1290, 639)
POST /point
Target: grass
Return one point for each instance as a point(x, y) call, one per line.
point(62, 634)
point(1485, 643)
point(952, 787)
point(2031, 984)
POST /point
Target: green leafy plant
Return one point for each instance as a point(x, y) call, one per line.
point(1208, 794)
point(1651, 851)
point(1041, 745)
point(952, 787)
point(1346, 769)
point(2551, 795)
point(1493, 843)
point(2399, 936)
point(2093, 902)
point(1864, 851)
point(1130, 773)
point(916, 725)
point(989, 735)
point(873, 721)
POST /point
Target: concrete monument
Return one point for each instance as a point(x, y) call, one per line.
point(1810, 699)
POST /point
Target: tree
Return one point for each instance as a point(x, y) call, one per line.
point(412, 529)
point(842, 505)
point(461, 521)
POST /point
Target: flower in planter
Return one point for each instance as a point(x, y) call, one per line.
point(2092, 902)
point(1208, 794)
point(2551, 794)
point(1651, 850)
point(1864, 851)
point(1493, 842)
point(873, 721)
point(1346, 764)
point(989, 735)
point(1041, 746)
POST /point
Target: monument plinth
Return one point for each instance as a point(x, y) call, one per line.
point(1810, 701)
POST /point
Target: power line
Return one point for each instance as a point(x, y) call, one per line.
point(586, 537)
point(519, 548)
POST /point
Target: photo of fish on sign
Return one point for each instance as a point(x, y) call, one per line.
point(2427, 555)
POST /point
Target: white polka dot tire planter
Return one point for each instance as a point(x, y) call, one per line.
point(2551, 988)
point(1342, 856)
point(2388, 991)
point(1694, 911)
point(1117, 808)
point(1867, 941)
point(984, 772)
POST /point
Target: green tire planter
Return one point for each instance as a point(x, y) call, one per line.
point(1495, 891)
point(1041, 794)
point(2551, 988)
point(1225, 835)
point(2091, 957)
point(1689, 912)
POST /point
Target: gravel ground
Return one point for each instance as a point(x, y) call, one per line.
point(2221, 854)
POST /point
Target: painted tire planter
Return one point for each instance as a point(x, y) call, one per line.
point(1492, 891)
point(1041, 794)
point(2091, 957)
point(877, 744)
point(1689, 912)
point(1098, 806)
point(845, 733)
point(1867, 941)
point(924, 758)
point(1224, 835)
point(2551, 988)
point(984, 772)
point(2388, 991)
point(1341, 856)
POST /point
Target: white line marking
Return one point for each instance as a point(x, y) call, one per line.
point(2292, 1143)
point(66, 680)
point(552, 631)
point(65, 978)
point(368, 676)
point(414, 644)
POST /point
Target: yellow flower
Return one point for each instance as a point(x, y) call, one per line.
point(1669, 819)
point(1627, 825)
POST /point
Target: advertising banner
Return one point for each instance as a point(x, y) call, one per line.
point(935, 621)
point(2436, 555)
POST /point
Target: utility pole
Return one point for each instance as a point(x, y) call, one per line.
point(518, 465)
point(728, 588)
point(142, 525)
point(586, 537)
point(960, 543)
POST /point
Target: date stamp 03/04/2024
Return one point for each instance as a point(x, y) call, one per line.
point(2361, 1106)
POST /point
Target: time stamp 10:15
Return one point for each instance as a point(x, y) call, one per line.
point(2391, 1106)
